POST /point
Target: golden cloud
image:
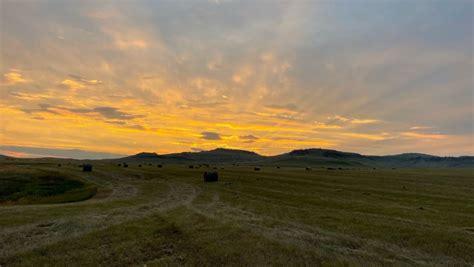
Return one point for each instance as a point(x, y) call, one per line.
point(428, 136)
point(13, 77)
point(72, 84)
point(363, 121)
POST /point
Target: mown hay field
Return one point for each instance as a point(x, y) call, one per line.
point(286, 216)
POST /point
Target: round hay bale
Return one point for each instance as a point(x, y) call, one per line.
point(211, 176)
point(87, 168)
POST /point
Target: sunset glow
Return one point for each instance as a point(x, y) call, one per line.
point(132, 76)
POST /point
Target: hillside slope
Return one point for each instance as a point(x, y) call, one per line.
point(307, 157)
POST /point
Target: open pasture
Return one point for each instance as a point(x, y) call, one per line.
point(169, 216)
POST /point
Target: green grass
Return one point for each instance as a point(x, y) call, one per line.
point(287, 216)
point(41, 187)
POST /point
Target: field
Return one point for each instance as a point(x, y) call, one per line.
point(287, 216)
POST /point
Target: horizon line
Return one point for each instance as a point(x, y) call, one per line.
point(27, 152)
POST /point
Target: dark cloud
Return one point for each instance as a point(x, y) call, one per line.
point(59, 153)
point(114, 113)
point(137, 127)
point(110, 113)
point(42, 108)
point(210, 136)
point(248, 137)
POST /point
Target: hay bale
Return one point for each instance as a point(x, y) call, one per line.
point(87, 168)
point(125, 165)
point(59, 165)
point(331, 169)
point(308, 168)
point(159, 166)
point(191, 166)
point(278, 167)
point(139, 166)
point(120, 165)
point(256, 169)
point(211, 176)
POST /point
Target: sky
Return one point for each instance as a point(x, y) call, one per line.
point(100, 79)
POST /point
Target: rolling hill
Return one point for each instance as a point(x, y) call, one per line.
point(306, 157)
point(219, 155)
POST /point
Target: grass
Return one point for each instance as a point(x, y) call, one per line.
point(287, 216)
point(27, 186)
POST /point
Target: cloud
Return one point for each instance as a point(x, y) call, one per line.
point(72, 84)
point(363, 121)
point(30, 97)
point(321, 125)
point(210, 136)
point(58, 152)
point(248, 138)
point(287, 107)
point(426, 136)
point(115, 61)
point(340, 120)
point(13, 77)
point(373, 137)
point(42, 108)
point(111, 113)
point(76, 82)
point(114, 113)
point(337, 119)
point(416, 128)
point(84, 80)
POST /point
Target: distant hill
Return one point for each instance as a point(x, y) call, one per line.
point(307, 157)
point(219, 155)
point(326, 157)
point(415, 160)
point(318, 157)
point(4, 157)
point(143, 156)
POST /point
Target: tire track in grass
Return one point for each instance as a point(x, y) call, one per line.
point(27, 237)
point(314, 239)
